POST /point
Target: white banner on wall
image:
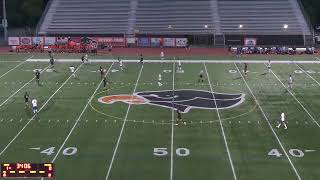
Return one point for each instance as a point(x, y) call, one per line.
point(38, 40)
point(181, 42)
point(250, 41)
point(13, 41)
point(26, 41)
point(169, 42)
point(131, 40)
point(50, 41)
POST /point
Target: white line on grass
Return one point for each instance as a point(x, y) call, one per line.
point(84, 109)
point(122, 128)
point(221, 61)
point(172, 124)
point(308, 74)
point(16, 67)
point(15, 137)
point(22, 87)
point(222, 128)
point(268, 122)
point(296, 99)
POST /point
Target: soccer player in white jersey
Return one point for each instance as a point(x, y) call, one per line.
point(120, 63)
point(269, 66)
point(34, 106)
point(162, 55)
point(87, 58)
point(72, 70)
point(290, 81)
point(159, 80)
point(282, 122)
point(179, 66)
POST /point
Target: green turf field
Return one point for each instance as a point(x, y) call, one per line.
point(119, 140)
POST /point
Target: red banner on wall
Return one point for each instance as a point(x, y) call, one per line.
point(114, 41)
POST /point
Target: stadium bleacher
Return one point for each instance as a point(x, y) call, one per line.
point(183, 17)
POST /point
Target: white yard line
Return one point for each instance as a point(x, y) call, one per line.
point(15, 137)
point(172, 124)
point(308, 74)
point(10, 61)
point(84, 109)
point(221, 126)
point(313, 119)
point(16, 67)
point(122, 128)
point(22, 87)
point(268, 122)
point(222, 61)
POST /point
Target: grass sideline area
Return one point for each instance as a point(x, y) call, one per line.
point(129, 131)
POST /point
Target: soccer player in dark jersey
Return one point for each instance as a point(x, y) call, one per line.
point(245, 69)
point(179, 118)
point(82, 59)
point(104, 84)
point(52, 63)
point(141, 58)
point(26, 99)
point(101, 71)
point(200, 77)
point(50, 53)
point(38, 76)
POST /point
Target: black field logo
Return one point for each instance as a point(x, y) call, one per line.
point(184, 100)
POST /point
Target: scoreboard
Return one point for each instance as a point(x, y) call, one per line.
point(23, 170)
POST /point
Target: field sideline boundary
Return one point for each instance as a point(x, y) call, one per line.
point(183, 61)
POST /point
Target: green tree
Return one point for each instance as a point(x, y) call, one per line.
point(24, 13)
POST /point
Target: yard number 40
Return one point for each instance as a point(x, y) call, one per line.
point(69, 151)
point(164, 151)
point(293, 152)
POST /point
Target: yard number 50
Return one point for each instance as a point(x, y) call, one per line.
point(164, 151)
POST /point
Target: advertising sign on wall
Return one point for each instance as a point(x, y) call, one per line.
point(13, 41)
point(170, 42)
point(131, 40)
point(181, 42)
point(144, 41)
point(26, 41)
point(250, 41)
point(114, 41)
point(155, 42)
point(37, 40)
point(50, 41)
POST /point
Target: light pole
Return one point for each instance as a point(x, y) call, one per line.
point(4, 20)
